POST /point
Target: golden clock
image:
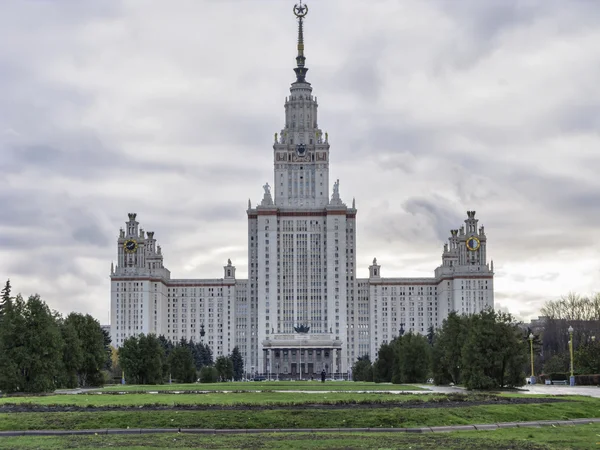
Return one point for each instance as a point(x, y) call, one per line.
point(473, 243)
point(130, 246)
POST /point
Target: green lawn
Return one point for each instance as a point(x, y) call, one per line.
point(346, 417)
point(215, 398)
point(547, 438)
point(270, 385)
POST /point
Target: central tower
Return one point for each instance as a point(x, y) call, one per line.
point(301, 154)
point(301, 248)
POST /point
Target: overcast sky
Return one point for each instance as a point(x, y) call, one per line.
point(168, 109)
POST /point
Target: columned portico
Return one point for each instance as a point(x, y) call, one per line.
point(302, 356)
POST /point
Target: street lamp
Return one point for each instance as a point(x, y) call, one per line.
point(572, 379)
point(401, 330)
point(532, 379)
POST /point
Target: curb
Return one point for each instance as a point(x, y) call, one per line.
point(443, 429)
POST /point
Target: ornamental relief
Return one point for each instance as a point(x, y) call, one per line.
point(296, 158)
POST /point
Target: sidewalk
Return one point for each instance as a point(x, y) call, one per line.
point(491, 426)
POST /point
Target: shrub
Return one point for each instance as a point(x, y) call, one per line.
point(208, 374)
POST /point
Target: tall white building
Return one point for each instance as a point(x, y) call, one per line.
point(302, 309)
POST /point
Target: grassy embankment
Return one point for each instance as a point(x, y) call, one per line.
point(288, 414)
point(560, 438)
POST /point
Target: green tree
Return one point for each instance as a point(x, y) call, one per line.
point(142, 359)
point(107, 341)
point(72, 357)
point(93, 346)
point(238, 364)
point(5, 299)
point(130, 359)
point(12, 341)
point(202, 354)
point(558, 363)
point(224, 367)
point(431, 335)
point(587, 358)
point(208, 374)
point(30, 347)
point(412, 359)
point(494, 353)
point(153, 358)
point(384, 365)
point(362, 370)
point(447, 349)
point(181, 363)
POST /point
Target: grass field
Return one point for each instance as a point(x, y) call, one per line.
point(563, 438)
point(273, 405)
point(345, 416)
point(215, 398)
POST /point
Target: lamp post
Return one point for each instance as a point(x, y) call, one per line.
point(572, 379)
point(532, 379)
point(401, 330)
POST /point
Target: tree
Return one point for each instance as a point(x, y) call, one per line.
point(72, 357)
point(558, 363)
point(208, 374)
point(115, 366)
point(412, 359)
point(130, 359)
point(238, 364)
point(383, 366)
point(31, 347)
point(202, 354)
point(94, 347)
point(494, 353)
point(587, 358)
point(447, 349)
point(142, 359)
point(12, 340)
point(573, 310)
point(224, 367)
point(362, 370)
point(106, 340)
point(6, 299)
point(431, 335)
point(181, 363)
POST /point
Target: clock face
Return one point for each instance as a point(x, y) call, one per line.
point(473, 243)
point(130, 246)
point(301, 149)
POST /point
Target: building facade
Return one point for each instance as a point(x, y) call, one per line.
point(301, 310)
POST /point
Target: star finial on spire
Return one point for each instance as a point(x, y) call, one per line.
point(300, 11)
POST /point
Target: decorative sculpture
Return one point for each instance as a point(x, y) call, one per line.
point(302, 329)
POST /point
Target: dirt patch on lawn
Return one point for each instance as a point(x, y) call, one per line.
point(411, 404)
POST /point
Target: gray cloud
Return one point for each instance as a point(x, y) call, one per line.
point(496, 111)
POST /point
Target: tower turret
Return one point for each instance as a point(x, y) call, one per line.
point(300, 152)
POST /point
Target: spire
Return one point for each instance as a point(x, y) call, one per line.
point(300, 11)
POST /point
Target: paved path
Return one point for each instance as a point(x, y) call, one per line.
point(536, 389)
point(542, 389)
point(490, 426)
